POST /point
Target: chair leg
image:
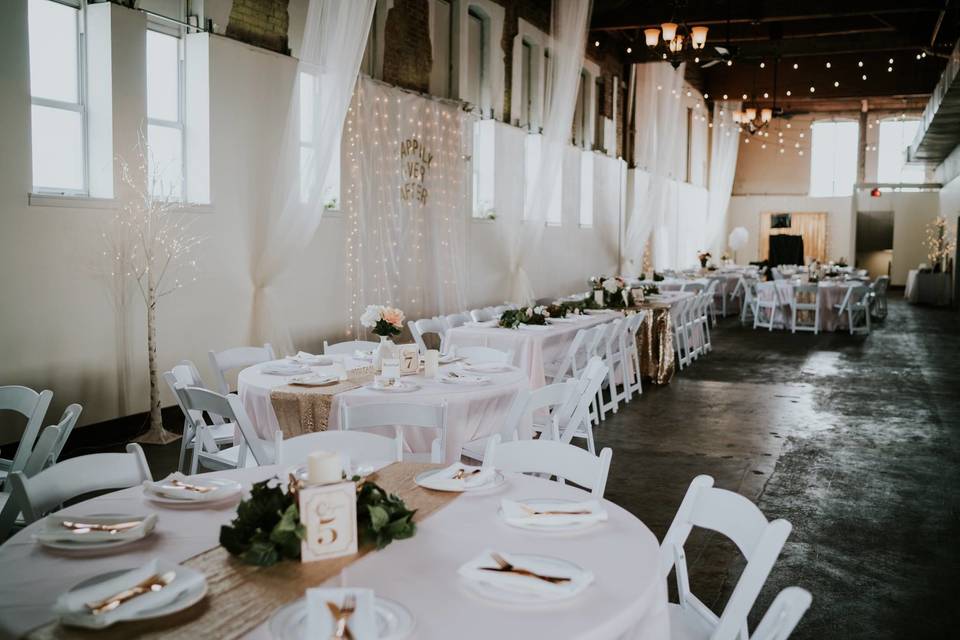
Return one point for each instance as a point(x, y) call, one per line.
point(187, 436)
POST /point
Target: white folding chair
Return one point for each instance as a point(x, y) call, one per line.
point(566, 366)
point(455, 320)
point(500, 308)
point(568, 463)
point(477, 355)
point(356, 445)
point(612, 356)
point(679, 317)
point(39, 459)
point(482, 315)
point(760, 542)
point(801, 302)
point(720, 295)
point(38, 495)
point(348, 347)
point(783, 614)
point(32, 406)
point(695, 287)
point(210, 437)
point(768, 299)
point(237, 358)
point(878, 287)
point(418, 328)
point(775, 273)
point(856, 304)
point(195, 401)
point(68, 420)
point(747, 290)
point(398, 416)
point(631, 353)
point(574, 420)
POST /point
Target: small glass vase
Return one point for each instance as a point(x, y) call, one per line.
point(386, 349)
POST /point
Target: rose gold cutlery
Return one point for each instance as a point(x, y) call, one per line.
point(152, 584)
point(87, 527)
point(341, 615)
point(505, 567)
point(462, 473)
point(186, 486)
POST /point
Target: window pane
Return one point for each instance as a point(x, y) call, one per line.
point(166, 161)
point(57, 148)
point(306, 171)
point(474, 60)
point(307, 98)
point(163, 77)
point(833, 158)
point(53, 51)
point(586, 189)
point(895, 137)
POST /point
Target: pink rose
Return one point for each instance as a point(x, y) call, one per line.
point(393, 316)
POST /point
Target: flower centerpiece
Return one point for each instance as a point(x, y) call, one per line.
point(385, 322)
point(615, 292)
point(703, 257)
point(513, 318)
point(267, 528)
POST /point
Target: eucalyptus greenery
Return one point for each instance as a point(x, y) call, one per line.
point(267, 528)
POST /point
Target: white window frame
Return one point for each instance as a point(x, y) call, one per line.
point(179, 123)
point(834, 193)
point(491, 90)
point(539, 43)
point(879, 145)
point(483, 166)
point(78, 107)
point(588, 78)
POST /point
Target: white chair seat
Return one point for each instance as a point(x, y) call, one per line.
point(686, 624)
point(223, 432)
point(227, 458)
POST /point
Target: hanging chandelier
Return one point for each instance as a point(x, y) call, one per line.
point(753, 119)
point(676, 37)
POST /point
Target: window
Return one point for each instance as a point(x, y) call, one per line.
point(688, 160)
point(165, 115)
point(330, 187)
point(440, 48)
point(896, 136)
point(833, 158)
point(526, 88)
point(580, 113)
point(57, 112)
point(586, 189)
point(483, 169)
point(530, 168)
point(598, 110)
point(476, 56)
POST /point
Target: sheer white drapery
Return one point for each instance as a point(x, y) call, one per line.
point(653, 194)
point(406, 202)
point(723, 166)
point(335, 35)
point(569, 33)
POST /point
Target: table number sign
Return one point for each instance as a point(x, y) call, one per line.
point(598, 297)
point(409, 359)
point(329, 513)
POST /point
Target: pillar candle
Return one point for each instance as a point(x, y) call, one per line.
point(324, 467)
point(431, 363)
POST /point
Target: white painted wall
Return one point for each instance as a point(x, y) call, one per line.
point(58, 327)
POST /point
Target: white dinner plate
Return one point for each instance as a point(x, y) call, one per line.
point(186, 599)
point(223, 490)
point(545, 504)
point(487, 367)
point(403, 387)
point(494, 483)
point(284, 369)
point(524, 598)
point(87, 547)
point(394, 621)
point(313, 380)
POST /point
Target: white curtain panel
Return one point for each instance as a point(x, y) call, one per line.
point(723, 166)
point(653, 198)
point(406, 202)
point(335, 35)
point(570, 19)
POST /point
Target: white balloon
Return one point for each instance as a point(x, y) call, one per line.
point(738, 238)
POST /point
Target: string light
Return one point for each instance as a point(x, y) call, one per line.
point(762, 65)
point(796, 66)
point(828, 65)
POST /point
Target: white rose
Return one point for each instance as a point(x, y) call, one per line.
point(371, 316)
point(610, 285)
point(529, 312)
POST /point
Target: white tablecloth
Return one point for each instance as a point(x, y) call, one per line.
point(473, 411)
point(928, 288)
point(627, 600)
point(831, 293)
point(532, 347)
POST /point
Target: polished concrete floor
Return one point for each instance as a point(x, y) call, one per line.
point(855, 441)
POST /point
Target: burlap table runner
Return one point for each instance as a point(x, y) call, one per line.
point(240, 597)
point(301, 409)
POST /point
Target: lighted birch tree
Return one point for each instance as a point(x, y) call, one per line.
point(150, 243)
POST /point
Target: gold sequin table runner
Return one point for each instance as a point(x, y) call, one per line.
point(655, 343)
point(240, 597)
point(302, 409)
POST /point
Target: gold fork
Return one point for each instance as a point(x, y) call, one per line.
point(462, 473)
point(341, 615)
point(151, 584)
point(505, 567)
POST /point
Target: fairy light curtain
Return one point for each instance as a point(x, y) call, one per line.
point(653, 196)
point(335, 35)
point(406, 202)
point(723, 165)
point(569, 33)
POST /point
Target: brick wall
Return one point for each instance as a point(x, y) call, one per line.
point(407, 52)
point(262, 23)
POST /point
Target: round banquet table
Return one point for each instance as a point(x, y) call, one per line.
point(473, 410)
point(628, 598)
point(832, 293)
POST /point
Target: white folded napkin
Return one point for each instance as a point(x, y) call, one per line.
point(579, 578)
point(313, 379)
point(534, 327)
point(461, 378)
point(321, 623)
point(444, 480)
point(55, 531)
point(72, 609)
point(284, 369)
point(166, 489)
point(561, 514)
point(310, 359)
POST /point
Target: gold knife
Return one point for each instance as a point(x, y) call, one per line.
point(151, 584)
point(84, 527)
